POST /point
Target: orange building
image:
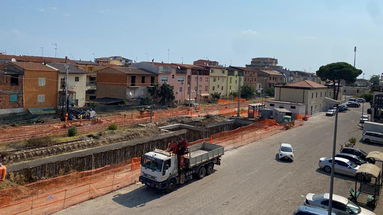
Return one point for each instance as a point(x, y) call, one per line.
point(39, 83)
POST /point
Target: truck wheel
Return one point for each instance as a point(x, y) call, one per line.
point(171, 186)
point(182, 178)
point(201, 172)
point(209, 169)
point(327, 169)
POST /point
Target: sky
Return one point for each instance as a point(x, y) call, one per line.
point(301, 34)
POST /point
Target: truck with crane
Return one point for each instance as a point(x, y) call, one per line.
point(178, 164)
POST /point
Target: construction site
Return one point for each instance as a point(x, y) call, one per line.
point(48, 171)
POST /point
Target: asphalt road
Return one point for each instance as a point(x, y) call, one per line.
point(250, 179)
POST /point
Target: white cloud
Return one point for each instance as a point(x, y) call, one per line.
point(42, 10)
point(249, 32)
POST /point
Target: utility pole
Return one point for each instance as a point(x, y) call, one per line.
point(239, 96)
point(333, 161)
point(66, 88)
point(354, 55)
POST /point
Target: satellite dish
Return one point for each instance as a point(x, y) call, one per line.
point(13, 60)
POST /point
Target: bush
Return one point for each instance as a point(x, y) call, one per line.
point(72, 131)
point(40, 142)
point(112, 127)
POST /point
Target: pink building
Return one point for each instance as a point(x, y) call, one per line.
point(189, 82)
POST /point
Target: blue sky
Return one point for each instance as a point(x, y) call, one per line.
point(302, 34)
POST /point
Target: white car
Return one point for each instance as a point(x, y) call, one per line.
point(309, 210)
point(341, 205)
point(342, 166)
point(374, 137)
point(286, 152)
point(330, 112)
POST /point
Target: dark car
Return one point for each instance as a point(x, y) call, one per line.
point(358, 152)
point(342, 108)
point(353, 158)
point(353, 104)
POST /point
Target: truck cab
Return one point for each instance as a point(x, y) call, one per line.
point(158, 166)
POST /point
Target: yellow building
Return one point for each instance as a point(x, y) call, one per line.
point(218, 81)
point(234, 82)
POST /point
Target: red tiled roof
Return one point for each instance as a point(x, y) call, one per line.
point(36, 59)
point(129, 70)
point(33, 66)
point(305, 84)
point(271, 72)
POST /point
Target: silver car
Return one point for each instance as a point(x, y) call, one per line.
point(341, 205)
point(342, 166)
point(309, 210)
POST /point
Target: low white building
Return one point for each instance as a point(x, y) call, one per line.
point(293, 107)
point(308, 93)
point(76, 84)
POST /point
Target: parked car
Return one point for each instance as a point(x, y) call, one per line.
point(354, 151)
point(374, 137)
point(361, 100)
point(341, 205)
point(330, 112)
point(352, 100)
point(342, 166)
point(286, 152)
point(309, 210)
point(363, 118)
point(353, 104)
point(342, 107)
point(353, 158)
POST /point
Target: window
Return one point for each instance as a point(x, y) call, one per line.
point(181, 79)
point(312, 95)
point(316, 95)
point(152, 80)
point(13, 98)
point(271, 105)
point(41, 98)
point(180, 89)
point(133, 80)
point(166, 165)
point(222, 88)
point(173, 76)
point(214, 79)
point(164, 79)
point(206, 88)
point(320, 94)
point(213, 88)
point(142, 79)
point(76, 79)
point(223, 71)
point(292, 107)
point(62, 83)
point(281, 106)
point(14, 80)
point(41, 82)
point(207, 79)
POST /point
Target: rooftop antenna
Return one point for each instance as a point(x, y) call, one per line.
point(55, 45)
point(42, 51)
point(354, 55)
point(168, 55)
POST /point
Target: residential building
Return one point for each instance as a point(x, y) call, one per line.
point(269, 78)
point(355, 91)
point(91, 68)
point(316, 97)
point(113, 60)
point(250, 77)
point(218, 81)
point(77, 79)
point(127, 83)
point(235, 80)
point(205, 63)
point(35, 83)
point(35, 59)
point(11, 92)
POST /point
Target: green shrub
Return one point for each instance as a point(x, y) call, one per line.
point(40, 142)
point(112, 127)
point(72, 131)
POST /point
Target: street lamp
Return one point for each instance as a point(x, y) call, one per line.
point(333, 161)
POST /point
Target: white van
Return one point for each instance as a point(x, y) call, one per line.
point(374, 137)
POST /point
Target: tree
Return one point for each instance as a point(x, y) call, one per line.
point(336, 72)
point(269, 92)
point(247, 92)
point(163, 94)
point(375, 80)
point(215, 95)
point(368, 97)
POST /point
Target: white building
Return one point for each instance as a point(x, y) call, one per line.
point(76, 84)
